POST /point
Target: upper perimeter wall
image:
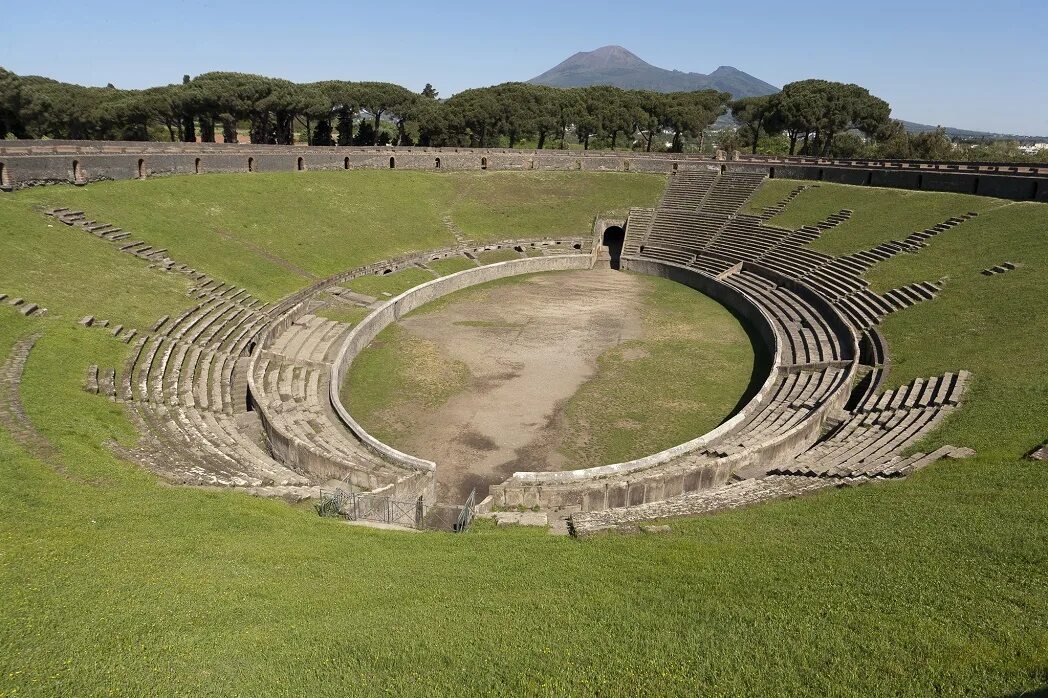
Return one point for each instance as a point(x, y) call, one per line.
point(29, 163)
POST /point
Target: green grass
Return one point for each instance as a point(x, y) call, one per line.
point(111, 583)
point(682, 379)
point(399, 371)
point(878, 214)
point(493, 206)
point(73, 274)
point(685, 376)
point(493, 256)
point(474, 292)
point(771, 192)
point(450, 265)
point(987, 325)
point(376, 285)
point(274, 232)
point(342, 312)
point(994, 326)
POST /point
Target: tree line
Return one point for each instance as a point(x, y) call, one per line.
point(212, 106)
point(814, 117)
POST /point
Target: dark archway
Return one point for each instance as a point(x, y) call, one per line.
point(78, 174)
point(392, 162)
point(251, 164)
point(196, 166)
point(141, 169)
point(613, 238)
point(483, 163)
point(301, 165)
point(345, 163)
point(437, 161)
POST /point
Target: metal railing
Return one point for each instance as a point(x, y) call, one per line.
point(468, 511)
point(416, 513)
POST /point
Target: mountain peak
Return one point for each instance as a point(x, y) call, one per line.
point(610, 49)
point(611, 52)
point(617, 66)
point(603, 58)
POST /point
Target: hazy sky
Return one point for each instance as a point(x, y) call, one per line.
point(972, 65)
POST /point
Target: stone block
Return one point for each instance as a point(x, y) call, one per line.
point(521, 518)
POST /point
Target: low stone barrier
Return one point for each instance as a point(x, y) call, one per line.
point(362, 335)
point(584, 487)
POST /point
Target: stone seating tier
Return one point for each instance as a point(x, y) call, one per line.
point(686, 189)
point(209, 422)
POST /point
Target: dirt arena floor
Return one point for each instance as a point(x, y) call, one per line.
point(529, 347)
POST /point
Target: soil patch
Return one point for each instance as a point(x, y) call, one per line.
point(529, 347)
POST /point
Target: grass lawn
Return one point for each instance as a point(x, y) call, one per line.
point(274, 232)
point(73, 274)
point(987, 325)
point(878, 214)
point(493, 256)
point(450, 265)
point(112, 583)
point(686, 376)
point(343, 312)
point(377, 285)
point(399, 369)
point(493, 206)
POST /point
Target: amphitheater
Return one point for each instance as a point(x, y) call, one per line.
point(242, 394)
point(757, 387)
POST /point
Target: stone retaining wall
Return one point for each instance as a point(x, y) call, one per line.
point(29, 163)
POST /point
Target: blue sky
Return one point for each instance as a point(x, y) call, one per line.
point(972, 65)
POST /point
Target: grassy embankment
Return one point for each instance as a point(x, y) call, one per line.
point(111, 583)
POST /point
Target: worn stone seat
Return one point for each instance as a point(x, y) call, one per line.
point(687, 188)
point(872, 441)
point(730, 191)
point(668, 254)
point(290, 388)
point(707, 501)
point(808, 338)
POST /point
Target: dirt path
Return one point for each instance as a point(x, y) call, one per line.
point(529, 346)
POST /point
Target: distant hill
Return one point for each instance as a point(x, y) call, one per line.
point(965, 133)
point(617, 66)
point(614, 65)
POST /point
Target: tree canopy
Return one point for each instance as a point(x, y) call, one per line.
point(810, 117)
point(815, 112)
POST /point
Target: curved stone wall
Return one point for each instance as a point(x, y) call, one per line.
point(730, 298)
point(564, 487)
point(579, 487)
point(290, 450)
point(362, 335)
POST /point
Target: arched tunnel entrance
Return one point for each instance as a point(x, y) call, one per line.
point(612, 239)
